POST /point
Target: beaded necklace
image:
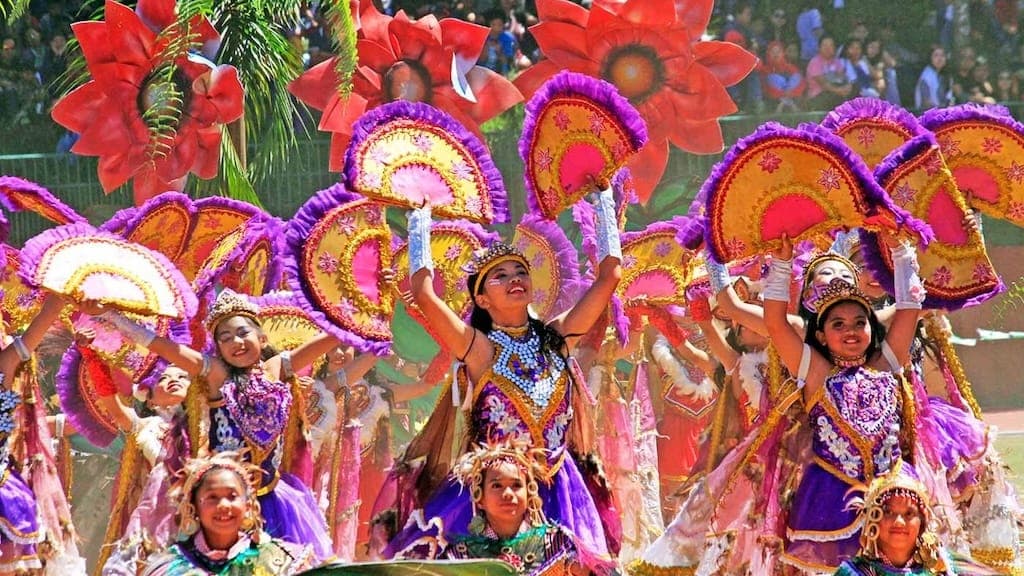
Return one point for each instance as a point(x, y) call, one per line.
point(521, 361)
point(259, 407)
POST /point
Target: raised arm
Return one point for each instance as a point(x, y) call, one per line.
point(465, 342)
point(578, 320)
point(20, 348)
point(909, 294)
point(787, 340)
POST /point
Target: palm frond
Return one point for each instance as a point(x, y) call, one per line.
point(233, 181)
point(11, 10)
point(266, 63)
point(343, 34)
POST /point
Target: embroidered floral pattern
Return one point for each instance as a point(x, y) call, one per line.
point(1015, 172)
point(991, 146)
point(942, 276)
point(865, 137)
point(770, 162)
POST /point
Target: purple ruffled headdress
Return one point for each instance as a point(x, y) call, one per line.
point(17, 194)
point(298, 232)
point(369, 122)
point(875, 109)
point(566, 261)
point(260, 231)
point(871, 245)
point(875, 197)
point(602, 93)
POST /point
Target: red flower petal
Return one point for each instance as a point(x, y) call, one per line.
point(412, 40)
point(694, 15)
point(78, 108)
point(494, 93)
point(220, 89)
point(92, 37)
point(109, 132)
point(115, 169)
point(338, 118)
point(702, 96)
point(148, 185)
point(374, 55)
point(207, 160)
point(156, 14)
point(464, 38)
point(648, 13)
point(179, 159)
point(316, 86)
point(647, 167)
point(533, 77)
point(727, 61)
point(559, 40)
point(701, 137)
point(130, 40)
point(562, 11)
point(450, 102)
point(372, 24)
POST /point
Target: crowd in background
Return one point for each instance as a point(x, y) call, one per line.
point(813, 54)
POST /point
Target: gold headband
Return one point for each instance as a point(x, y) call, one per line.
point(484, 261)
point(229, 304)
point(839, 290)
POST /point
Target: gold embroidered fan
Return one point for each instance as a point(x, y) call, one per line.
point(804, 183)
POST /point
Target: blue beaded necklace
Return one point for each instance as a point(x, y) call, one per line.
point(521, 361)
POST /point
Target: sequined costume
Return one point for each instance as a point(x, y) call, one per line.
point(525, 396)
point(268, 557)
point(253, 414)
point(860, 566)
point(19, 517)
point(545, 549)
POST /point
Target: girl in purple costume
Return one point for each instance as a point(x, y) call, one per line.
point(518, 387)
point(848, 367)
point(249, 407)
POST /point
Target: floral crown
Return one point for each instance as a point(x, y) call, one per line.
point(470, 468)
point(228, 304)
point(486, 259)
point(836, 291)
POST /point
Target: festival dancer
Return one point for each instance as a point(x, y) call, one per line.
point(517, 383)
point(849, 370)
point(220, 526)
point(508, 521)
point(897, 535)
point(35, 519)
point(247, 405)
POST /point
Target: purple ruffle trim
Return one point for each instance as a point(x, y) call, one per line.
point(72, 403)
point(12, 186)
point(860, 108)
point(37, 246)
point(871, 245)
point(369, 122)
point(600, 92)
point(690, 231)
point(299, 229)
point(937, 118)
point(260, 228)
point(5, 228)
point(566, 262)
point(876, 198)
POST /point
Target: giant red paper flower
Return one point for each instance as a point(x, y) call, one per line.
point(405, 59)
point(652, 51)
point(116, 113)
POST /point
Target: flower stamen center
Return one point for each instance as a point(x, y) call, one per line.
point(407, 80)
point(635, 70)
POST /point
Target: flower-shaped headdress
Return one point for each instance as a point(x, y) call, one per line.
point(229, 304)
point(836, 291)
point(484, 260)
point(472, 466)
point(192, 477)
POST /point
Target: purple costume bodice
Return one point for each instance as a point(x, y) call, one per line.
point(254, 415)
point(857, 422)
point(525, 396)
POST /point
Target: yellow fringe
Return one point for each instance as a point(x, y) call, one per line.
point(198, 412)
point(643, 568)
point(125, 480)
point(294, 427)
point(940, 335)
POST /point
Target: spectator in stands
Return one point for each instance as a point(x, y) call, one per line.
point(944, 14)
point(963, 79)
point(809, 28)
point(779, 29)
point(1007, 87)
point(784, 84)
point(500, 48)
point(55, 62)
point(858, 69)
point(881, 59)
point(34, 51)
point(828, 85)
point(747, 93)
point(933, 89)
point(982, 90)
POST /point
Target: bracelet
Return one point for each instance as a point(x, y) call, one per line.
point(607, 226)
point(718, 274)
point(21, 349)
point(204, 371)
point(776, 284)
point(420, 255)
point(909, 291)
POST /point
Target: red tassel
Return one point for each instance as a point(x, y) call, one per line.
point(98, 373)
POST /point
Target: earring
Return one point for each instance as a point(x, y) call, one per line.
point(478, 524)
